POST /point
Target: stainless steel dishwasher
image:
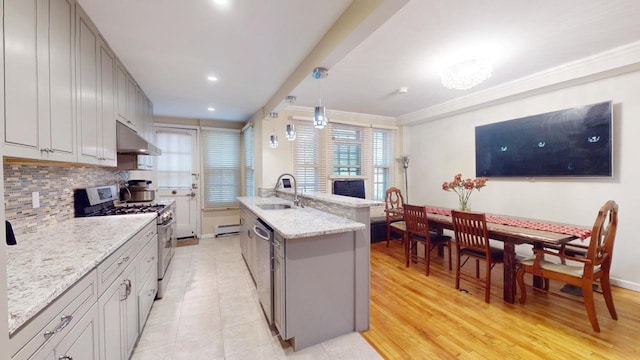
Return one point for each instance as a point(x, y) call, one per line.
point(264, 272)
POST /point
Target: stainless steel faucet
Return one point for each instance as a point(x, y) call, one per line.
point(296, 201)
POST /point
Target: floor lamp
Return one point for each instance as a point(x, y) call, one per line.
point(405, 165)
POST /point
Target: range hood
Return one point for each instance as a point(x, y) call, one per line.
point(128, 142)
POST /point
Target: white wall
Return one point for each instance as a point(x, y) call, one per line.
point(445, 147)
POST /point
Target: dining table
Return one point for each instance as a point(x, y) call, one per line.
point(512, 231)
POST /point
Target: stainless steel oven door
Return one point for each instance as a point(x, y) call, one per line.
point(167, 242)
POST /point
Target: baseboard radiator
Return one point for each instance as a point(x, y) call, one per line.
point(226, 230)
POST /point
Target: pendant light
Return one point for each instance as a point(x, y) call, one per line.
point(273, 139)
point(291, 132)
point(319, 115)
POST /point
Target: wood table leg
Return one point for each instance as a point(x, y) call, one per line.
point(509, 286)
point(538, 281)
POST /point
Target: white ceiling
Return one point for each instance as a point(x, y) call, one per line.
point(254, 46)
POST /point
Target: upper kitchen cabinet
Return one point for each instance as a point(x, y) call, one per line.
point(126, 98)
point(39, 79)
point(96, 69)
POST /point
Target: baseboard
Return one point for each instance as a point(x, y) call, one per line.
point(207, 236)
point(625, 284)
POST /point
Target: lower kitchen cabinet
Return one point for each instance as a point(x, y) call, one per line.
point(80, 343)
point(119, 317)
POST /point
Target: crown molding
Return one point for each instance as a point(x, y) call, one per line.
point(600, 66)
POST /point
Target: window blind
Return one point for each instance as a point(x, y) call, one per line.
point(309, 158)
point(221, 167)
point(383, 162)
point(248, 161)
point(174, 166)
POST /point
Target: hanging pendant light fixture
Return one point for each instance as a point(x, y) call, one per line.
point(273, 139)
point(319, 115)
point(291, 132)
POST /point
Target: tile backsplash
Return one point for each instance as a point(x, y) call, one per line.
point(55, 185)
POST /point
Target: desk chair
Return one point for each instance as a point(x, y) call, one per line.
point(393, 201)
point(583, 271)
point(418, 232)
point(472, 241)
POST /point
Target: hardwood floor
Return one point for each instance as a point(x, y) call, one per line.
point(419, 317)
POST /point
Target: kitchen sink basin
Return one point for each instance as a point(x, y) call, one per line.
point(274, 206)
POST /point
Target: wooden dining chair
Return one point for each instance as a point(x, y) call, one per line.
point(418, 232)
point(580, 271)
point(393, 206)
point(472, 241)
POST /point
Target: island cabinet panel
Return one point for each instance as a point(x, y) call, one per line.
point(39, 79)
point(319, 288)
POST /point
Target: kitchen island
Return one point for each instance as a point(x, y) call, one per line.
point(46, 267)
point(319, 259)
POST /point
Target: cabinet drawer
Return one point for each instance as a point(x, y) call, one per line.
point(112, 267)
point(148, 258)
point(56, 320)
point(145, 235)
point(146, 295)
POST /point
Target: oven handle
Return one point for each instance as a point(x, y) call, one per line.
point(164, 226)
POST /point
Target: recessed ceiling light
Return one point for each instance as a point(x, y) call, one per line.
point(212, 78)
point(211, 109)
point(221, 2)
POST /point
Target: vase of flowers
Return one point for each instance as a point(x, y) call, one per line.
point(464, 188)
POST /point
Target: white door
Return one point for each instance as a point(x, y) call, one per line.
point(178, 175)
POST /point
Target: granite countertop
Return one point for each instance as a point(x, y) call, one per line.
point(298, 222)
point(46, 263)
point(336, 199)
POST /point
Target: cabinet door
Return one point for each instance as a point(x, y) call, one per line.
point(21, 73)
point(107, 134)
point(87, 70)
point(61, 134)
point(132, 90)
point(82, 341)
point(279, 295)
point(121, 93)
point(111, 322)
point(130, 310)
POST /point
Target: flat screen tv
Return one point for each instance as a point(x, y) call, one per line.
point(571, 142)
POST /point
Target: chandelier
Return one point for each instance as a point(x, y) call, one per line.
point(467, 74)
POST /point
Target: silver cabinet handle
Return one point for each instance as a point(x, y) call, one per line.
point(125, 259)
point(65, 357)
point(64, 321)
point(151, 259)
point(262, 233)
point(152, 292)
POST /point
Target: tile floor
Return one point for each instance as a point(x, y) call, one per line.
point(211, 311)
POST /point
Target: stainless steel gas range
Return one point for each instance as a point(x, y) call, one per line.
point(103, 201)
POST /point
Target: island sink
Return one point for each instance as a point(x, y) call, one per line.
point(274, 206)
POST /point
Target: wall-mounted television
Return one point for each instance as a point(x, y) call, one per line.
point(571, 142)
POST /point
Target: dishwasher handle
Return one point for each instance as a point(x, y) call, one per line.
point(262, 233)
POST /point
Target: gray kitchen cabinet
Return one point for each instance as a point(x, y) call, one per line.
point(279, 291)
point(96, 95)
point(80, 343)
point(122, 110)
point(132, 92)
point(39, 79)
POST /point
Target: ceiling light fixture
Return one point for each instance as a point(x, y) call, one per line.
point(221, 2)
point(211, 109)
point(212, 78)
point(291, 132)
point(320, 113)
point(466, 74)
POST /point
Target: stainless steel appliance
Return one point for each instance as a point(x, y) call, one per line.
point(264, 273)
point(137, 191)
point(101, 201)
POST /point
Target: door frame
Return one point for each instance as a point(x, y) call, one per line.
point(197, 167)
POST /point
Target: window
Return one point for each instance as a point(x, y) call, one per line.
point(174, 166)
point(383, 162)
point(221, 167)
point(308, 158)
point(248, 161)
point(347, 150)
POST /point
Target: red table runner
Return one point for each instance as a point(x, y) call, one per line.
point(528, 224)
